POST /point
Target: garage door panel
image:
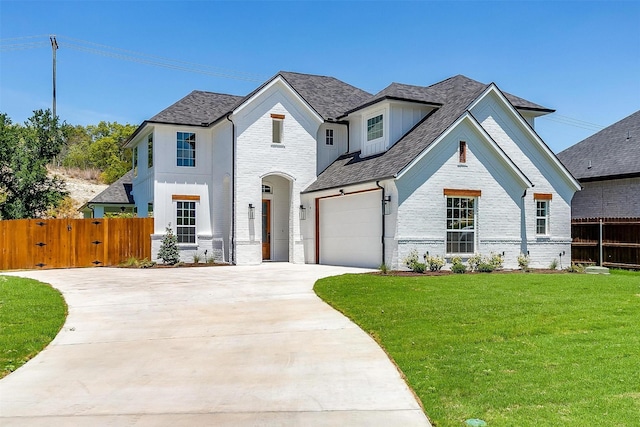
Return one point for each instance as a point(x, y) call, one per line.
point(351, 230)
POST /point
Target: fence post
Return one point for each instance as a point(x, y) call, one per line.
point(600, 242)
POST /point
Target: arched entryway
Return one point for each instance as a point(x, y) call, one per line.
point(276, 218)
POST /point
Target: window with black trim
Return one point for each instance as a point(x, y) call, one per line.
point(328, 139)
point(375, 128)
point(135, 160)
point(150, 151)
point(461, 225)
point(186, 149)
point(186, 221)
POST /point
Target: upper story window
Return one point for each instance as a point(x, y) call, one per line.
point(328, 139)
point(277, 127)
point(462, 153)
point(135, 160)
point(374, 128)
point(267, 189)
point(150, 151)
point(186, 149)
point(542, 213)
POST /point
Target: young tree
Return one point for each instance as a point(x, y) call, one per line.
point(26, 190)
point(169, 253)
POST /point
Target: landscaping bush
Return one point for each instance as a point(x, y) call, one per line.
point(523, 262)
point(458, 268)
point(553, 265)
point(485, 267)
point(419, 267)
point(435, 263)
point(168, 252)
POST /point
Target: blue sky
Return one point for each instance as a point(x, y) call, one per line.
point(581, 58)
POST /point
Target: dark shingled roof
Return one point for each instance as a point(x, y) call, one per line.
point(435, 94)
point(609, 152)
point(197, 108)
point(118, 193)
point(456, 94)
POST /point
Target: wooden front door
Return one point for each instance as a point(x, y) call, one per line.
point(266, 229)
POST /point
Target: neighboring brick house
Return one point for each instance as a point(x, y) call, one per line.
point(607, 165)
point(308, 168)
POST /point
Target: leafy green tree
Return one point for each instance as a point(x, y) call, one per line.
point(26, 190)
point(99, 146)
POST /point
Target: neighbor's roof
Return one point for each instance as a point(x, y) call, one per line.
point(118, 193)
point(614, 152)
point(455, 94)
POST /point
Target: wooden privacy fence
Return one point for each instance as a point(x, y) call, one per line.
point(620, 243)
point(63, 243)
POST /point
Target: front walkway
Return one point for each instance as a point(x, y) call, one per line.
point(237, 346)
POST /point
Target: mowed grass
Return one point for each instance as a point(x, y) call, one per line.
point(31, 315)
point(511, 349)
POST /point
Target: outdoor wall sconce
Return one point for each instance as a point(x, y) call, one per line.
point(341, 192)
point(387, 205)
point(303, 213)
point(252, 211)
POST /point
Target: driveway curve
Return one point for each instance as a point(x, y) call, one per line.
point(237, 346)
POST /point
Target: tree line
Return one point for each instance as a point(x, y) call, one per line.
point(26, 150)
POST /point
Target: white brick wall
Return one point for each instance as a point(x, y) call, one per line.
point(258, 158)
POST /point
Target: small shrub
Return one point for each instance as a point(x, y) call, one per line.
point(169, 253)
point(523, 262)
point(575, 268)
point(196, 257)
point(474, 261)
point(412, 259)
point(456, 260)
point(485, 267)
point(209, 259)
point(553, 265)
point(419, 267)
point(383, 268)
point(459, 268)
point(495, 260)
point(435, 263)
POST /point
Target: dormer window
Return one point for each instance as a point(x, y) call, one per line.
point(374, 128)
point(328, 140)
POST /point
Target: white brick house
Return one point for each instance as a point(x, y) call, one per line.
point(310, 169)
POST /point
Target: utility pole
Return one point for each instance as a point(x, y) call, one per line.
point(54, 48)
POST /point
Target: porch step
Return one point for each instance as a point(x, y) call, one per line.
point(594, 269)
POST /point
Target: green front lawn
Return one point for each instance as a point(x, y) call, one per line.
point(31, 315)
point(511, 349)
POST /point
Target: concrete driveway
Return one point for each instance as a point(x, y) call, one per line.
point(240, 346)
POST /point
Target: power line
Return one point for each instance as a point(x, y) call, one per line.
point(102, 47)
point(565, 120)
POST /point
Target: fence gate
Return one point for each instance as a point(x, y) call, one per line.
point(63, 243)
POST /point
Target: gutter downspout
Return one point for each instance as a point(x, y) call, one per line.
point(232, 255)
point(383, 218)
